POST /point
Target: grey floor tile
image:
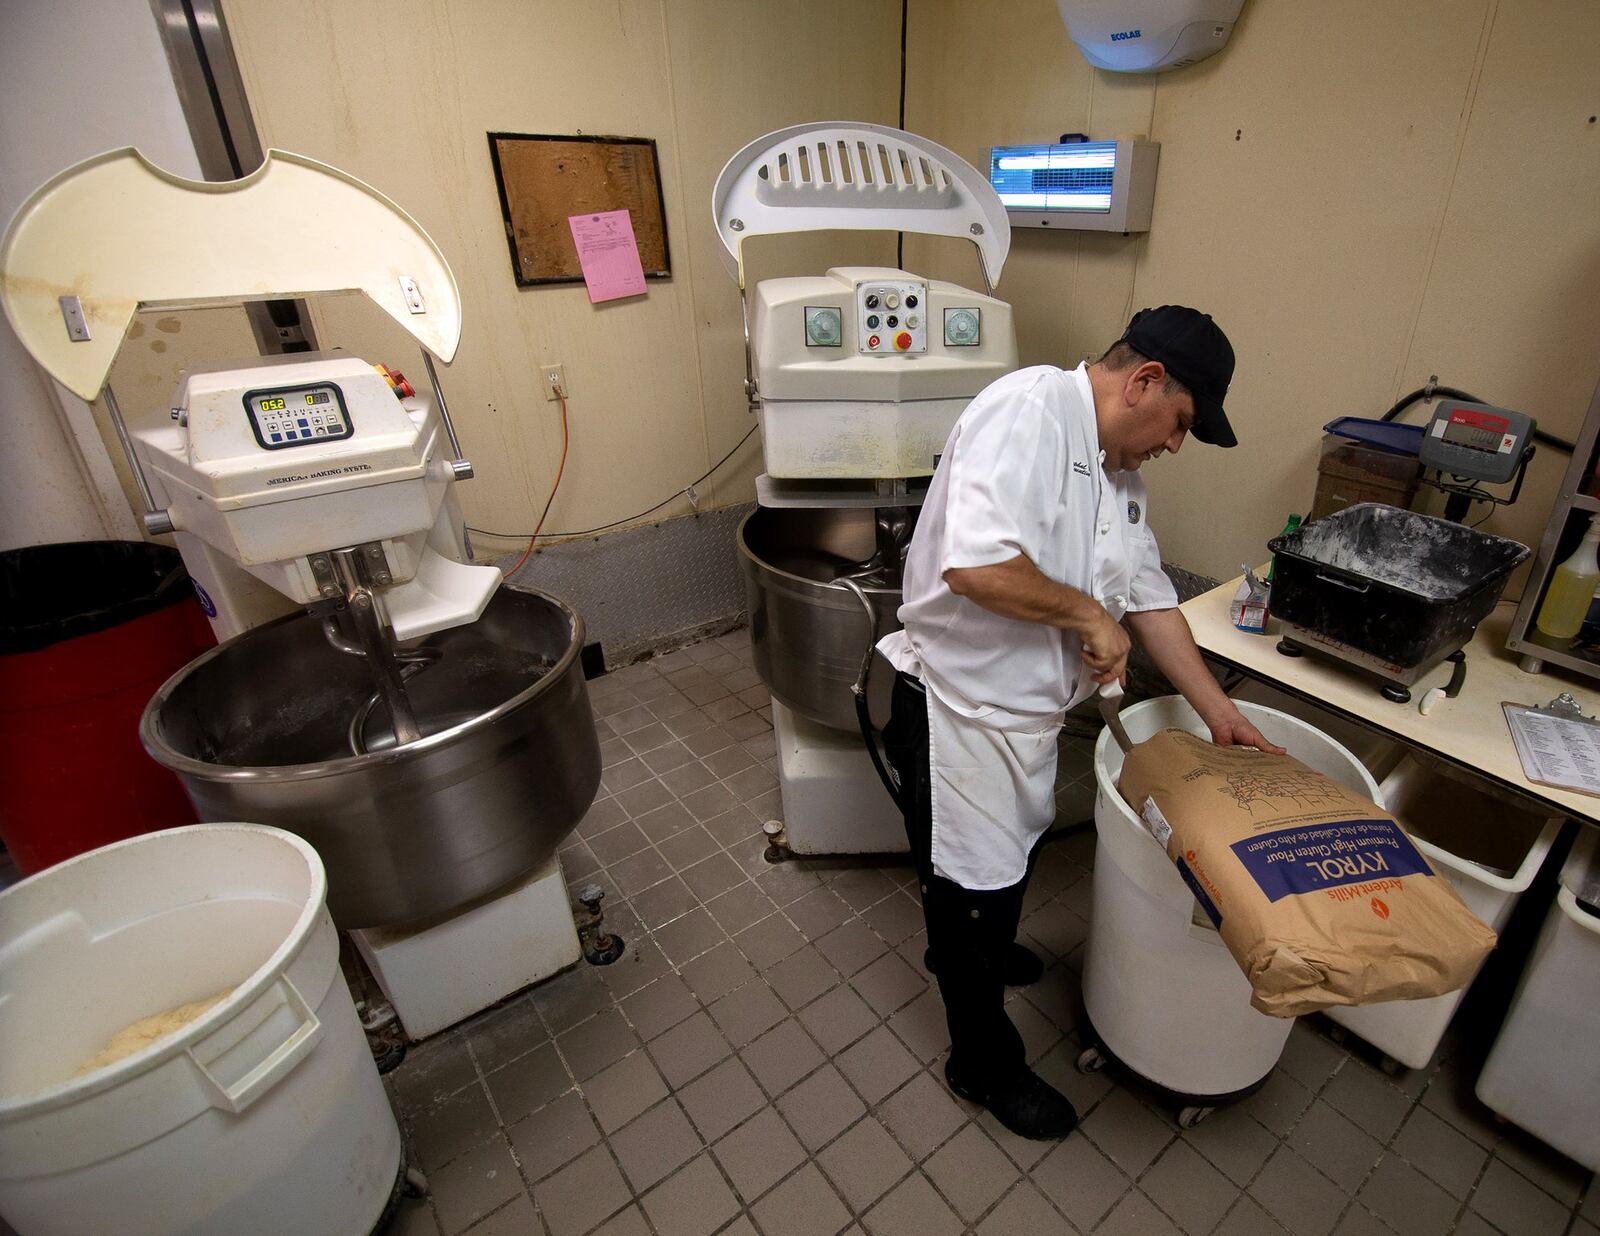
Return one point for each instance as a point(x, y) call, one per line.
point(571, 997)
point(516, 1218)
point(450, 1129)
point(971, 1172)
point(583, 1193)
point(688, 1049)
point(1055, 928)
point(713, 876)
point(1137, 1215)
point(1310, 1057)
point(736, 825)
point(1279, 1104)
point(1516, 1205)
point(664, 820)
point(1059, 1067)
point(728, 761)
point(751, 856)
point(1357, 1220)
point(790, 882)
point(913, 1208)
point(619, 1093)
point(647, 738)
point(1330, 1142)
point(894, 918)
point(640, 800)
point(688, 778)
point(617, 844)
point(660, 1006)
point(473, 1186)
point(922, 1115)
point(414, 1217)
point(1248, 1219)
point(861, 887)
point(500, 1035)
point(641, 963)
point(710, 802)
point(864, 1164)
point(1081, 1181)
point(655, 1144)
point(721, 1099)
point(665, 902)
point(820, 1108)
point(877, 1065)
point(597, 1044)
point(715, 973)
point(555, 1134)
point(837, 1019)
point(1023, 1151)
point(1445, 1155)
point(1189, 1188)
point(889, 983)
point(920, 1025)
point(759, 1153)
point(1297, 1195)
point(689, 935)
point(1233, 1142)
point(603, 814)
point(782, 1056)
point(693, 1201)
point(1023, 1212)
point(801, 977)
point(769, 941)
point(528, 1083)
point(1127, 1132)
point(687, 847)
point(1367, 1098)
point(803, 1205)
point(1553, 1172)
point(816, 913)
point(665, 759)
point(1407, 1200)
point(433, 1071)
point(747, 1012)
point(741, 906)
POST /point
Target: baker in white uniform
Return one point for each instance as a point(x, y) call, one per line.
point(1033, 546)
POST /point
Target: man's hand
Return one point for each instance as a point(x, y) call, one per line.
point(1105, 646)
point(1231, 729)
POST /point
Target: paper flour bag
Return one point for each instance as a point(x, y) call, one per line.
point(1319, 895)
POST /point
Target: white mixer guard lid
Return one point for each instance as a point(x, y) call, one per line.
point(119, 233)
point(853, 176)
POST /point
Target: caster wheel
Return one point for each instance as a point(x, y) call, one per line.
point(387, 1053)
point(1391, 1066)
point(1090, 1060)
point(1188, 1117)
point(415, 1183)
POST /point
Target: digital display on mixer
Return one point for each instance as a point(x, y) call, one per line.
point(298, 416)
point(1475, 436)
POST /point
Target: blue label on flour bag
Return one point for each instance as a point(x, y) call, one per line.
point(1323, 856)
point(1200, 895)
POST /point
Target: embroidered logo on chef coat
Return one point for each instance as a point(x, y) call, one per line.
point(1133, 512)
point(1082, 469)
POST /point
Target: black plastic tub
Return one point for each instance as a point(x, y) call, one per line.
point(1403, 587)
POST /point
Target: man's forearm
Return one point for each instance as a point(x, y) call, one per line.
point(1164, 634)
point(1018, 589)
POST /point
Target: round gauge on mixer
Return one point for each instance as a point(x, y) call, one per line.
point(823, 326)
point(961, 328)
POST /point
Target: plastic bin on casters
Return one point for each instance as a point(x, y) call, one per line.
point(1543, 1072)
point(262, 1117)
point(1490, 852)
point(1163, 994)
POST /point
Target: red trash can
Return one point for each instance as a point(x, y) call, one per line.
point(88, 631)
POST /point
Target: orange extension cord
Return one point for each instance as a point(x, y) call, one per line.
point(560, 468)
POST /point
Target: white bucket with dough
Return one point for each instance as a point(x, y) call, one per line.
point(261, 1113)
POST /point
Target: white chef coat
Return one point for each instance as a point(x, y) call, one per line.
point(1022, 472)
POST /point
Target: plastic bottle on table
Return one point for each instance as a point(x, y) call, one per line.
point(1572, 587)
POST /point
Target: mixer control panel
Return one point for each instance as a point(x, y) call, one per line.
point(298, 415)
point(892, 317)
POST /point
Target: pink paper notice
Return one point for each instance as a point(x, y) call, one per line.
point(609, 255)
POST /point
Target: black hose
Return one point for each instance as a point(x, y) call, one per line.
point(870, 736)
point(1450, 392)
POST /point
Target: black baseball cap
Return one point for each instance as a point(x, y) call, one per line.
point(1198, 354)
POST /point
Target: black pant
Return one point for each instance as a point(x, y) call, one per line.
point(969, 930)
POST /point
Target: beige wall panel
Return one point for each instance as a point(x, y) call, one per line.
point(741, 68)
point(1512, 309)
point(655, 382)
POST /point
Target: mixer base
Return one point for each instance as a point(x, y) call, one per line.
point(445, 970)
point(833, 802)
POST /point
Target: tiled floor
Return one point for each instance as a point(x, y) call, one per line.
point(766, 1055)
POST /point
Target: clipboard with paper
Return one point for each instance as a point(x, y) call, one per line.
point(1558, 744)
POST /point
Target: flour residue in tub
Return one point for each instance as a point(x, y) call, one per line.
point(1430, 557)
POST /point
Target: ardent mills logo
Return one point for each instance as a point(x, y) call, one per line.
point(317, 476)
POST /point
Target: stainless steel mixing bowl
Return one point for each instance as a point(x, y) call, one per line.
point(809, 634)
point(509, 761)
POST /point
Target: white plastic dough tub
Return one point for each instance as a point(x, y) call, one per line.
point(265, 1115)
point(1163, 994)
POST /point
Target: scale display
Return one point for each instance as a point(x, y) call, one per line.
point(298, 415)
point(1475, 440)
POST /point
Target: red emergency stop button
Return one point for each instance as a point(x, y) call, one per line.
point(872, 342)
point(903, 340)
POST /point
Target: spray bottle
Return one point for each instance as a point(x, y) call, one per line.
point(1572, 587)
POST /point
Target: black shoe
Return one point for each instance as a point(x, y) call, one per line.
point(1026, 1104)
point(1019, 967)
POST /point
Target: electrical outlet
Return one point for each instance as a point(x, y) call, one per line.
point(555, 381)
